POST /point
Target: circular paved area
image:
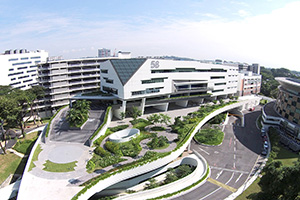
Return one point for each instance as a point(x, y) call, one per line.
point(65, 154)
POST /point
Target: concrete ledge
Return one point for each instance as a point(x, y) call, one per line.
point(124, 135)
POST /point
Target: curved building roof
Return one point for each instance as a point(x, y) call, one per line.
point(289, 83)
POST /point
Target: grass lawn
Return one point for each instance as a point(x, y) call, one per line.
point(25, 145)
point(58, 167)
point(36, 153)
point(209, 136)
point(10, 164)
point(253, 188)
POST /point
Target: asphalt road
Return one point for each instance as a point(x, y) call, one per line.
point(233, 162)
point(61, 131)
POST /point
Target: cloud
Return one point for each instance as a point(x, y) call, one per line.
point(269, 39)
point(243, 13)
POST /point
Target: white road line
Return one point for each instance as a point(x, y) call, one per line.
point(230, 178)
point(217, 189)
point(234, 148)
point(234, 156)
point(238, 178)
point(219, 174)
point(210, 193)
point(203, 151)
point(234, 165)
point(230, 170)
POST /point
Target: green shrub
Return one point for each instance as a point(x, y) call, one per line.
point(158, 128)
point(113, 148)
point(90, 165)
point(118, 128)
point(139, 120)
point(158, 142)
point(101, 152)
point(101, 162)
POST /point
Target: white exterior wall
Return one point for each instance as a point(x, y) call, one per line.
point(23, 63)
point(144, 73)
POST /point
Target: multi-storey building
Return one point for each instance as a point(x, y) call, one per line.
point(18, 68)
point(249, 83)
point(64, 79)
point(159, 83)
point(284, 113)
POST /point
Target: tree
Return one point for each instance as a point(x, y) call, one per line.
point(166, 119)
point(280, 182)
point(135, 113)
point(122, 115)
point(154, 118)
point(78, 113)
point(34, 94)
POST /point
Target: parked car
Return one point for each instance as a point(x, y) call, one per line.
point(264, 152)
point(252, 109)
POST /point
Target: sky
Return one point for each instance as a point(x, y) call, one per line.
point(251, 31)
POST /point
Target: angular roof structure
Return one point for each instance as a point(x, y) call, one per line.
point(125, 68)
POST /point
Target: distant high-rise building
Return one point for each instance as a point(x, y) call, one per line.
point(104, 53)
point(18, 68)
point(255, 68)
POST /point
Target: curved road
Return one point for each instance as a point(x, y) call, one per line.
point(233, 162)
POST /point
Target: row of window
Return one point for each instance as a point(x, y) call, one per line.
point(154, 80)
point(24, 58)
point(186, 70)
point(147, 91)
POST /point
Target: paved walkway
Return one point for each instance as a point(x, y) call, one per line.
point(62, 153)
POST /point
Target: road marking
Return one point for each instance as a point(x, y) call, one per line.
point(210, 193)
point(234, 165)
point(234, 157)
point(216, 152)
point(238, 178)
point(227, 187)
point(234, 148)
point(203, 151)
point(230, 170)
point(230, 141)
point(230, 179)
point(218, 175)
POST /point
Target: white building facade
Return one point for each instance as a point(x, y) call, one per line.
point(160, 83)
point(18, 68)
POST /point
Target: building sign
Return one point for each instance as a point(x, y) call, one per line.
point(154, 64)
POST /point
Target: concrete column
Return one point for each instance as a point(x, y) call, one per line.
point(163, 107)
point(182, 103)
point(142, 106)
point(117, 112)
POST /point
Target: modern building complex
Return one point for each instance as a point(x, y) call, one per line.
point(160, 83)
point(18, 68)
point(285, 111)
